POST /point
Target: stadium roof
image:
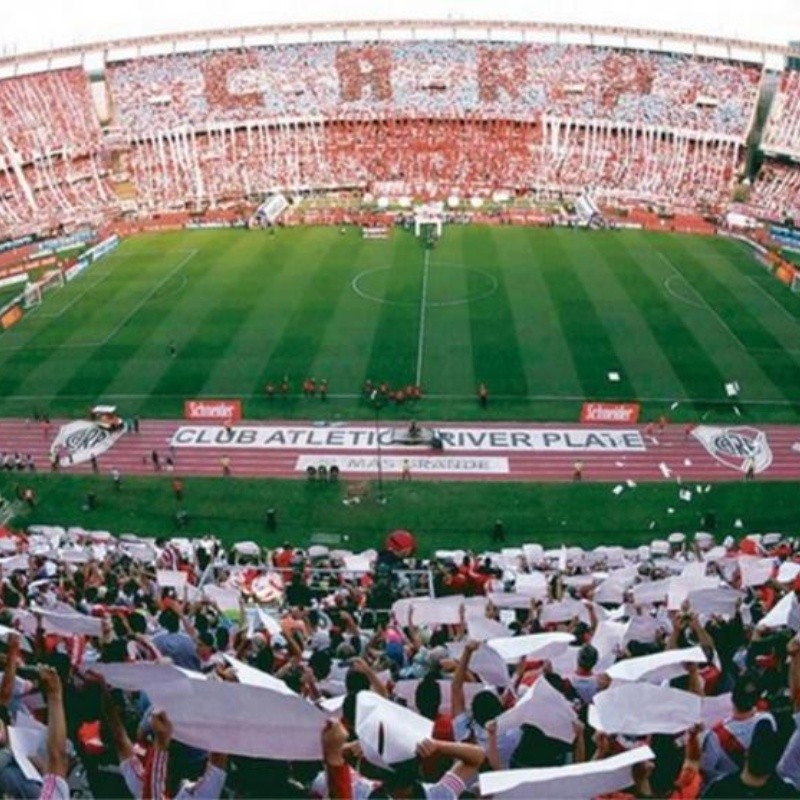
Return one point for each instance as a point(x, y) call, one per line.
point(51, 23)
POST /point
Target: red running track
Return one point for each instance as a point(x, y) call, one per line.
point(684, 456)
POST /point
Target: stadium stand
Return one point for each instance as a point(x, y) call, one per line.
point(202, 131)
point(177, 656)
point(666, 670)
point(51, 173)
point(652, 127)
point(775, 193)
point(782, 131)
point(434, 79)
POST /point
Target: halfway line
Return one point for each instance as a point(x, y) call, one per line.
point(423, 304)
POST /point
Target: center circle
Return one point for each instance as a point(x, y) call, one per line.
point(371, 284)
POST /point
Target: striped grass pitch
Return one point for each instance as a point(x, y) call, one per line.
point(540, 316)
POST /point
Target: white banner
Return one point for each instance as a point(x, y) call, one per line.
point(307, 437)
point(416, 464)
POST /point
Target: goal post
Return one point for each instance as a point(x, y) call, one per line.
point(428, 223)
point(32, 296)
point(34, 291)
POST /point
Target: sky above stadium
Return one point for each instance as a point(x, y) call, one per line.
point(41, 24)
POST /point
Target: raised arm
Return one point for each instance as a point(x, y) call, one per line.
point(375, 683)
point(458, 702)
point(10, 672)
point(334, 737)
point(468, 757)
point(57, 762)
point(119, 735)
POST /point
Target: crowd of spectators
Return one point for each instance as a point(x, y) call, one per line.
point(434, 158)
point(46, 113)
point(191, 671)
point(775, 192)
point(435, 79)
point(50, 192)
point(782, 131)
point(204, 130)
point(51, 171)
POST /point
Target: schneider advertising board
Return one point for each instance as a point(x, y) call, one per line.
point(299, 437)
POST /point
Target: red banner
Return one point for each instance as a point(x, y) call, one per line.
point(613, 413)
point(220, 411)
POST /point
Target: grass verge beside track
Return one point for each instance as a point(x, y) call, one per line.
point(442, 515)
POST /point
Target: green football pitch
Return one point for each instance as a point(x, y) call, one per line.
point(541, 316)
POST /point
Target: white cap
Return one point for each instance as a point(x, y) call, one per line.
point(716, 553)
point(659, 547)
point(388, 733)
point(728, 542)
point(676, 538)
point(704, 540)
point(643, 552)
point(771, 539)
point(317, 551)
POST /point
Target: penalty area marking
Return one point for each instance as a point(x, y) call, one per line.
point(357, 286)
point(121, 324)
point(678, 295)
point(706, 305)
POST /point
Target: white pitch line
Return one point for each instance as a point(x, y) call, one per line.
point(68, 306)
point(706, 305)
point(573, 398)
point(769, 297)
point(423, 305)
point(124, 321)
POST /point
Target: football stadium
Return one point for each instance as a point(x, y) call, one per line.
point(395, 405)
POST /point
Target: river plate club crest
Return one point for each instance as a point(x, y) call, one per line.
point(78, 441)
point(734, 447)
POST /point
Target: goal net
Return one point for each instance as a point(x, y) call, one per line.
point(34, 291)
